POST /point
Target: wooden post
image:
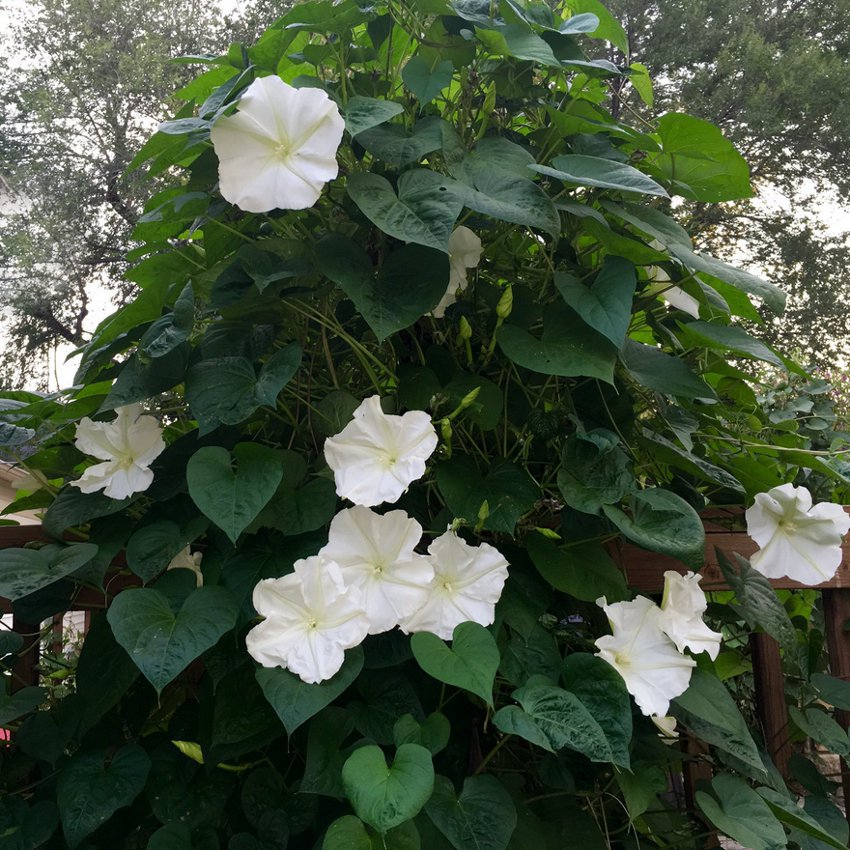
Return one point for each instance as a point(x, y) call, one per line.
point(770, 699)
point(25, 672)
point(836, 613)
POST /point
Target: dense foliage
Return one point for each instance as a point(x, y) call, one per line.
point(590, 386)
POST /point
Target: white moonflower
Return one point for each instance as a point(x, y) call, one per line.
point(652, 668)
point(279, 149)
point(468, 581)
point(796, 539)
point(681, 614)
point(128, 445)
point(464, 253)
point(666, 728)
point(311, 618)
point(376, 456)
point(675, 296)
point(185, 559)
point(376, 556)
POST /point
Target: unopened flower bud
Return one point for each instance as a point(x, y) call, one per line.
point(464, 328)
point(506, 303)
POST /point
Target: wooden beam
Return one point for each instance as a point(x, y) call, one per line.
point(770, 699)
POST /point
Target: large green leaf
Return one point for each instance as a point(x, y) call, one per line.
point(426, 79)
point(92, 787)
point(482, 817)
point(606, 305)
point(786, 811)
point(709, 711)
point(24, 827)
point(662, 522)
point(383, 796)
point(363, 113)
point(72, 508)
point(728, 339)
point(609, 27)
point(423, 212)
point(152, 547)
point(738, 811)
point(585, 170)
point(350, 833)
point(13, 706)
point(834, 691)
point(470, 662)
point(232, 499)
point(594, 471)
point(821, 728)
point(662, 372)
point(409, 283)
point(399, 147)
point(507, 488)
point(23, 571)
point(295, 701)
point(161, 642)
point(699, 161)
point(567, 347)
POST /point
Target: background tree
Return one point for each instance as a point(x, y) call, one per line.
point(93, 77)
point(771, 75)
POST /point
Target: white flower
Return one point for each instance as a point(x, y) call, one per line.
point(128, 444)
point(376, 456)
point(666, 728)
point(464, 253)
point(279, 149)
point(311, 619)
point(376, 556)
point(467, 584)
point(653, 669)
point(185, 560)
point(673, 295)
point(681, 614)
point(796, 539)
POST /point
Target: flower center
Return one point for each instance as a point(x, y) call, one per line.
point(622, 659)
point(312, 623)
point(788, 526)
point(447, 586)
point(282, 151)
point(377, 569)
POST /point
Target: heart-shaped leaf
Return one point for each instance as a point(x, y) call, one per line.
point(399, 147)
point(162, 643)
point(409, 284)
point(13, 706)
point(426, 79)
point(295, 701)
point(483, 817)
point(424, 211)
point(89, 791)
point(23, 571)
point(363, 113)
point(470, 662)
point(232, 499)
point(581, 170)
point(383, 796)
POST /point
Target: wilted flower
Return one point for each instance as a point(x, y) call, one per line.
point(186, 560)
point(128, 444)
point(652, 668)
point(675, 296)
point(375, 554)
point(682, 608)
point(468, 581)
point(666, 728)
point(279, 149)
point(376, 456)
point(311, 618)
point(796, 539)
point(464, 253)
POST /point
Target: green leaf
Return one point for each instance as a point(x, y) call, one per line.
point(423, 212)
point(433, 733)
point(470, 662)
point(383, 796)
point(161, 643)
point(233, 499)
point(73, 508)
point(820, 727)
point(25, 827)
point(169, 331)
point(757, 599)
point(603, 693)
point(641, 787)
point(483, 817)
point(662, 372)
point(512, 720)
point(565, 722)
point(609, 27)
point(295, 701)
point(788, 812)
point(140, 379)
point(13, 706)
point(23, 571)
point(700, 161)
point(594, 471)
point(741, 814)
point(92, 787)
point(567, 347)
point(409, 283)
point(835, 692)
point(276, 373)
point(642, 82)
point(426, 79)
point(363, 113)
point(728, 339)
point(662, 522)
point(347, 833)
point(151, 548)
point(708, 710)
point(397, 147)
point(585, 170)
point(585, 572)
point(606, 305)
point(507, 488)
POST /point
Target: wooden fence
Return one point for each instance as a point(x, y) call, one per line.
point(645, 571)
